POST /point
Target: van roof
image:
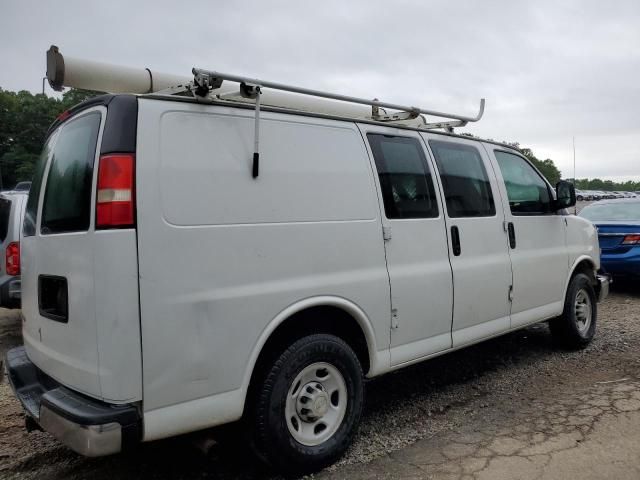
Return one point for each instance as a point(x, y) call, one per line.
point(108, 98)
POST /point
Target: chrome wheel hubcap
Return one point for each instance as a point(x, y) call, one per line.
point(316, 403)
point(583, 311)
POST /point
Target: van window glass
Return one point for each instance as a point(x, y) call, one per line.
point(405, 179)
point(67, 197)
point(528, 193)
point(5, 213)
point(31, 211)
point(464, 180)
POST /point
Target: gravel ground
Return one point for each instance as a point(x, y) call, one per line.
point(432, 400)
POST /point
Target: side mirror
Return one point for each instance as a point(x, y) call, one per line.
point(565, 195)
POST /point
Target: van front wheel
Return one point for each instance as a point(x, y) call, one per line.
point(576, 327)
point(309, 406)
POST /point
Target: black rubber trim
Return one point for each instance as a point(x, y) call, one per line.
point(92, 102)
point(86, 411)
point(62, 318)
point(34, 389)
point(121, 125)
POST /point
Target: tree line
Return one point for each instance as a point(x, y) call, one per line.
point(25, 119)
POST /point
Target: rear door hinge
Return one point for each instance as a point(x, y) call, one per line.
point(394, 318)
point(386, 232)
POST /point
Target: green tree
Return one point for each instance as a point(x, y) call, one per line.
point(24, 121)
point(546, 167)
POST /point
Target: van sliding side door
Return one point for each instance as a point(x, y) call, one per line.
point(415, 244)
point(477, 239)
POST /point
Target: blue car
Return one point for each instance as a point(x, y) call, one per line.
point(618, 224)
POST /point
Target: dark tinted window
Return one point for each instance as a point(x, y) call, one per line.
point(5, 213)
point(34, 193)
point(67, 197)
point(464, 180)
point(407, 187)
point(528, 193)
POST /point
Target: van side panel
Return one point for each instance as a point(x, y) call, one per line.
point(222, 254)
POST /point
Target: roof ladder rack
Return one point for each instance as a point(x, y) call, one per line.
point(206, 80)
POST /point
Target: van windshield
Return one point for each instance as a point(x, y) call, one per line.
point(67, 197)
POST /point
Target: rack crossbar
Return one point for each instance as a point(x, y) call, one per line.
point(214, 75)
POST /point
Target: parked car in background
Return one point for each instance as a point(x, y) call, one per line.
point(583, 195)
point(618, 224)
point(22, 187)
point(594, 195)
point(12, 207)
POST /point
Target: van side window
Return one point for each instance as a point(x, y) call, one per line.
point(464, 180)
point(67, 196)
point(528, 193)
point(405, 179)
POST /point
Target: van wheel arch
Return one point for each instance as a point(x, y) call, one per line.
point(584, 266)
point(327, 319)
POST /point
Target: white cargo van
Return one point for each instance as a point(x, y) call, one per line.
point(171, 282)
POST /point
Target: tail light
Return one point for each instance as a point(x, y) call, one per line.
point(631, 239)
point(115, 202)
point(12, 265)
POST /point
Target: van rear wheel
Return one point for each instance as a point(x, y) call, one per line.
point(576, 327)
point(308, 409)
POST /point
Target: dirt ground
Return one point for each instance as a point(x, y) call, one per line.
point(500, 409)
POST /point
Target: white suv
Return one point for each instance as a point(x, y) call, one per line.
point(12, 206)
point(168, 288)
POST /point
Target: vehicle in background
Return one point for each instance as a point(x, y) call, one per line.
point(583, 196)
point(12, 207)
point(22, 187)
point(594, 195)
point(618, 224)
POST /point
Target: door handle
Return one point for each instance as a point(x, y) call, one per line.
point(455, 241)
point(512, 235)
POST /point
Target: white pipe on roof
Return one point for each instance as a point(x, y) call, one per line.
point(105, 77)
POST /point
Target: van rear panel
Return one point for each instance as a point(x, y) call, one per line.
point(80, 284)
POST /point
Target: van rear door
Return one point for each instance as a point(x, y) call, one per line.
point(80, 286)
point(60, 325)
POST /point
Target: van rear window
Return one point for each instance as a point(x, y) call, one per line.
point(29, 226)
point(5, 212)
point(67, 197)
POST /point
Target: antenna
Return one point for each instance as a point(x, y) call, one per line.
point(575, 179)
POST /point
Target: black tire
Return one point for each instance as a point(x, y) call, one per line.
point(569, 330)
point(272, 439)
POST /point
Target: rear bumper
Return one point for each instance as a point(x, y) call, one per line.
point(88, 426)
point(10, 288)
point(626, 264)
point(602, 287)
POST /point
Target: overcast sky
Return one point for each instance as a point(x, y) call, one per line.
point(550, 70)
